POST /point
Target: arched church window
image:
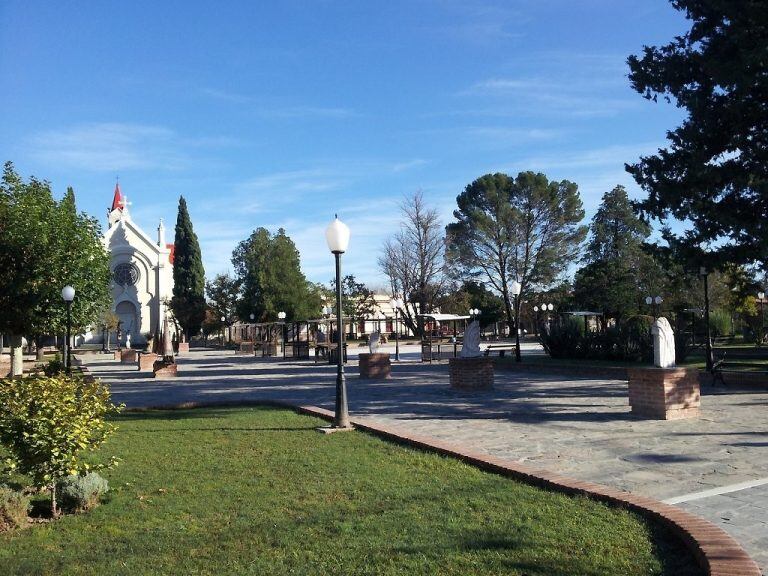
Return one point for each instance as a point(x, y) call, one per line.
point(126, 274)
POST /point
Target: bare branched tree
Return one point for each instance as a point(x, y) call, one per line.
point(413, 260)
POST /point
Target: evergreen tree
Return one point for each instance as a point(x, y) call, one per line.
point(615, 279)
point(269, 271)
point(188, 302)
point(714, 173)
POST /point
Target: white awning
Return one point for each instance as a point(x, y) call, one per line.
point(584, 313)
point(444, 317)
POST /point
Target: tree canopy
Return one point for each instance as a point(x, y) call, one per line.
point(525, 228)
point(45, 245)
point(188, 302)
point(714, 172)
point(269, 271)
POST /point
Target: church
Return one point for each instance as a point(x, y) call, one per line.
point(142, 273)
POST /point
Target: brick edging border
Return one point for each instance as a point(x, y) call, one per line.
point(717, 553)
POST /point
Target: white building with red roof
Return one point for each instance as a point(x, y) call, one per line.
point(142, 273)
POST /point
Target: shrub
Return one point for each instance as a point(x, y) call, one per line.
point(48, 423)
point(629, 341)
point(54, 367)
point(81, 493)
point(14, 506)
point(720, 323)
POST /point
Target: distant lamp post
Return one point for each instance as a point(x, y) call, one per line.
point(396, 304)
point(538, 322)
point(224, 323)
point(515, 289)
point(68, 295)
point(337, 237)
point(252, 328)
point(281, 317)
point(761, 298)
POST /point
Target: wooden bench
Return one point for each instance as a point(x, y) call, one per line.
point(727, 363)
point(502, 349)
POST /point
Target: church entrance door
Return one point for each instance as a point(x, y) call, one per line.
point(129, 321)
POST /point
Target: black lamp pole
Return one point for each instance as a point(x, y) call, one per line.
point(709, 358)
point(69, 335)
point(518, 358)
point(397, 338)
point(342, 412)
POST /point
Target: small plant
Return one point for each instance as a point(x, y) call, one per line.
point(54, 367)
point(48, 423)
point(14, 506)
point(81, 493)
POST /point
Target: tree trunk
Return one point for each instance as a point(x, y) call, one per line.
point(54, 507)
point(17, 356)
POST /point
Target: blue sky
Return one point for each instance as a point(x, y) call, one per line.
point(281, 114)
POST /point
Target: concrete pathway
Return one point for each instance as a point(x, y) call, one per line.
point(715, 466)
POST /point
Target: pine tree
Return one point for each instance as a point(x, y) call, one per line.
point(714, 172)
point(188, 302)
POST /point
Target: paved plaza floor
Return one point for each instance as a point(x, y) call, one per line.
point(715, 466)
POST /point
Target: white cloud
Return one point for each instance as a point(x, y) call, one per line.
point(118, 147)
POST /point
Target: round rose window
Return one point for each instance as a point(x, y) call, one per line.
point(126, 274)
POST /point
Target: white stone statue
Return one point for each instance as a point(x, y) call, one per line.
point(128, 339)
point(663, 343)
point(373, 341)
point(471, 346)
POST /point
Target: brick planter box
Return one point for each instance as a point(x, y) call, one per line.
point(128, 356)
point(376, 365)
point(664, 393)
point(162, 370)
point(471, 373)
point(182, 347)
point(146, 361)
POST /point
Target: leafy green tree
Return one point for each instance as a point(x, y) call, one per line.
point(524, 228)
point(45, 245)
point(269, 270)
point(223, 294)
point(472, 294)
point(188, 302)
point(714, 173)
point(49, 423)
point(357, 299)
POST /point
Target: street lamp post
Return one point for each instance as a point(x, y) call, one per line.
point(281, 317)
point(337, 237)
point(68, 294)
point(654, 301)
point(704, 273)
point(397, 303)
point(761, 298)
point(515, 289)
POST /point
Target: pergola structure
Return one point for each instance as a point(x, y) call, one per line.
point(428, 344)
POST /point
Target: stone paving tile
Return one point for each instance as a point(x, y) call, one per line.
point(578, 427)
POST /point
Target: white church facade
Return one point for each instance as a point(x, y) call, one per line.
point(142, 273)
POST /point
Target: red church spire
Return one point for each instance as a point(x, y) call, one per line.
point(117, 201)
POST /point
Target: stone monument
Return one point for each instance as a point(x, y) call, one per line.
point(471, 370)
point(165, 367)
point(375, 364)
point(664, 392)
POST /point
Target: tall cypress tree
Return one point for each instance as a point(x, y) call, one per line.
point(188, 302)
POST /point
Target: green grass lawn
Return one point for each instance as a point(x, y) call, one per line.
point(258, 491)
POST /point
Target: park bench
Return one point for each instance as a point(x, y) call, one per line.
point(731, 361)
point(501, 348)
